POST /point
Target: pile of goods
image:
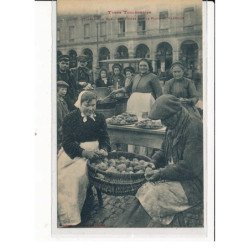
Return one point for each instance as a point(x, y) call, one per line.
point(121, 173)
point(123, 119)
point(149, 124)
point(124, 166)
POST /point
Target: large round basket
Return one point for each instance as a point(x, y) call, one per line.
point(117, 183)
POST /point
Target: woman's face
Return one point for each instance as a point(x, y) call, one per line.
point(128, 74)
point(143, 67)
point(116, 71)
point(103, 74)
point(88, 108)
point(177, 72)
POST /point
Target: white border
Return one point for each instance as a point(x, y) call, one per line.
point(206, 233)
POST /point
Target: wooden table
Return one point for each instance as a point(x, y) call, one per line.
point(132, 135)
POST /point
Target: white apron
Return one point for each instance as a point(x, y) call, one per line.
point(163, 200)
point(72, 184)
point(139, 103)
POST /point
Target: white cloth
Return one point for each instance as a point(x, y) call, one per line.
point(78, 102)
point(138, 103)
point(72, 184)
point(162, 200)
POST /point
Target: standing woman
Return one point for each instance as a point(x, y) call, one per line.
point(84, 137)
point(183, 88)
point(103, 79)
point(144, 89)
point(117, 77)
point(129, 74)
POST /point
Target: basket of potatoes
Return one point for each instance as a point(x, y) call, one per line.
point(120, 173)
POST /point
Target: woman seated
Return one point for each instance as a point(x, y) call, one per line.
point(84, 137)
point(180, 177)
point(183, 88)
point(103, 79)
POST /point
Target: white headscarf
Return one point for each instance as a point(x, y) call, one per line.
point(78, 105)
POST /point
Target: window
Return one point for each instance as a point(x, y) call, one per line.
point(188, 17)
point(103, 29)
point(71, 33)
point(164, 20)
point(141, 28)
point(121, 29)
point(86, 29)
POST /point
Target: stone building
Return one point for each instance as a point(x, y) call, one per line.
point(164, 36)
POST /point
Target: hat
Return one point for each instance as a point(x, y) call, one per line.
point(117, 65)
point(164, 107)
point(63, 58)
point(130, 69)
point(62, 84)
point(178, 63)
point(82, 58)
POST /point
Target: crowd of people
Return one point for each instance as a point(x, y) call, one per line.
point(82, 135)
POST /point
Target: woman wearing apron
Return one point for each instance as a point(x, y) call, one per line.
point(84, 137)
point(143, 89)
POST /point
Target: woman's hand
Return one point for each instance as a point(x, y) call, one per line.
point(102, 152)
point(153, 175)
point(89, 154)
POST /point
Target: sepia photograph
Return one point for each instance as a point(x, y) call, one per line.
point(129, 114)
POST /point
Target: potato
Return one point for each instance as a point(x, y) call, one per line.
point(111, 169)
point(137, 168)
point(123, 172)
point(131, 172)
point(121, 167)
point(140, 172)
point(122, 158)
point(135, 160)
point(148, 170)
point(112, 162)
point(142, 162)
point(130, 169)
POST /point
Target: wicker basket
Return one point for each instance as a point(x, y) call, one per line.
point(118, 183)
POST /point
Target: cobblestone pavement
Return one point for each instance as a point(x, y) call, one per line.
point(107, 215)
point(115, 206)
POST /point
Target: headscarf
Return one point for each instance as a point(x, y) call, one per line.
point(164, 107)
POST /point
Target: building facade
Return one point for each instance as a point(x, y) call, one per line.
point(164, 36)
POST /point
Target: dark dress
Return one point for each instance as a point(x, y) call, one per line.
point(100, 82)
point(75, 131)
point(62, 111)
point(148, 83)
point(118, 81)
point(183, 145)
point(183, 88)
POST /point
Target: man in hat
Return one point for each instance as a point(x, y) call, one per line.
point(83, 75)
point(62, 109)
point(64, 74)
point(180, 171)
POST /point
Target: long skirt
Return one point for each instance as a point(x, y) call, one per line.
point(72, 184)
